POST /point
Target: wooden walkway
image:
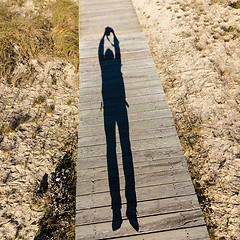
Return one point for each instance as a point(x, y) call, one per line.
point(166, 201)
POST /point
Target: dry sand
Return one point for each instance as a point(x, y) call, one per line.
point(35, 146)
point(197, 57)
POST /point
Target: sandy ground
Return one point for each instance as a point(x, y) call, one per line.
point(197, 56)
point(46, 114)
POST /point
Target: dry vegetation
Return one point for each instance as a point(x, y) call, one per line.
point(46, 29)
point(38, 118)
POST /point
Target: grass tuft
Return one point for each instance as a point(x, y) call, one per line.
point(65, 30)
point(36, 34)
point(230, 29)
point(235, 5)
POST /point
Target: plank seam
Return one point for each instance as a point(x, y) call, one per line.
point(152, 185)
point(141, 201)
point(158, 231)
point(143, 216)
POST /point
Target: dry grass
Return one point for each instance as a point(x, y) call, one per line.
point(21, 38)
point(65, 30)
point(35, 34)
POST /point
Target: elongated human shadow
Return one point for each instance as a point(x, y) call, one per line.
point(115, 114)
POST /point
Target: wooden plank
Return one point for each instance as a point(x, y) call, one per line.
point(98, 97)
point(139, 167)
point(132, 85)
point(136, 135)
point(85, 13)
point(86, 19)
point(145, 193)
point(134, 126)
point(86, 120)
point(99, 185)
point(89, 47)
point(129, 83)
point(127, 64)
point(96, 30)
point(139, 160)
point(138, 76)
point(147, 224)
point(131, 100)
point(155, 207)
point(91, 6)
point(141, 144)
point(144, 72)
point(103, 7)
point(110, 3)
point(190, 233)
point(147, 166)
point(141, 156)
point(131, 93)
point(128, 77)
point(113, 20)
point(135, 108)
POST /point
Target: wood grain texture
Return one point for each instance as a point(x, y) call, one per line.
point(146, 208)
point(148, 225)
point(166, 201)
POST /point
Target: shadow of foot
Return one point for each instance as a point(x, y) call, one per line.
point(117, 219)
point(132, 217)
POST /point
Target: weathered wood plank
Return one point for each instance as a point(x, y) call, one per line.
point(190, 233)
point(133, 109)
point(134, 126)
point(139, 168)
point(131, 93)
point(144, 72)
point(96, 30)
point(142, 134)
point(91, 6)
point(89, 47)
point(129, 77)
point(157, 206)
point(92, 11)
point(96, 81)
point(132, 85)
point(131, 100)
point(141, 156)
point(141, 144)
point(86, 19)
point(145, 193)
point(86, 120)
point(110, 3)
point(128, 64)
point(103, 22)
point(93, 186)
point(147, 224)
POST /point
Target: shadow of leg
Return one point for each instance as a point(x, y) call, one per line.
point(128, 169)
point(131, 214)
point(117, 219)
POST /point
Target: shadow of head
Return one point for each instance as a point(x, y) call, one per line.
point(109, 54)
